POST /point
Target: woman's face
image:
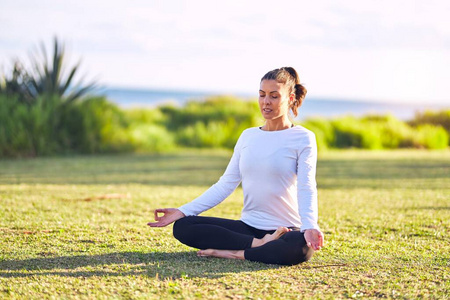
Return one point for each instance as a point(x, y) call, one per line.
point(274, 99)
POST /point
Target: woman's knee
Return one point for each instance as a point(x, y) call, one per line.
point(281, 252)
point(180, 227)
point(295, 250)
point(307, 253)
point(297, 255)
point(304, 253)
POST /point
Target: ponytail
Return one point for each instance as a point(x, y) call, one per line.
point(300, 93)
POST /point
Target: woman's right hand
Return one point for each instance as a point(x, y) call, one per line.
point(314, 238)
point(169, 215)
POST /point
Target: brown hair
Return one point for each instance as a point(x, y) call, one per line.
point(289, 77)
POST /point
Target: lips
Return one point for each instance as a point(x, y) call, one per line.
point(267, 110)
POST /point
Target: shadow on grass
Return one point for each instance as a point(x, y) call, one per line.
point(160, 265)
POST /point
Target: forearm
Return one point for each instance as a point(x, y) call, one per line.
point(212, 197)
point(308, 206)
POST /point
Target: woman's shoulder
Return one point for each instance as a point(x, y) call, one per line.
point(246, 137)
point(303, 132)
point(303, 137)
point(250, 131)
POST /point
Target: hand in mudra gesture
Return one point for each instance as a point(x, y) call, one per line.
point(314, 238)
point(169, 215)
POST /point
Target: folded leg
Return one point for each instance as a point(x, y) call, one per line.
point(289, 249)
point(213, 233)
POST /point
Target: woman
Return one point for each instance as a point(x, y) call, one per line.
point(276, 164)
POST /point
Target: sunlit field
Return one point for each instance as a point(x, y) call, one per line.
point(75, 227)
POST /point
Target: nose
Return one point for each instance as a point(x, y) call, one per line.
point(266, 100)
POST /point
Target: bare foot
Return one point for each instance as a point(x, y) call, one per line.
point(235, 254)
point(270, 237)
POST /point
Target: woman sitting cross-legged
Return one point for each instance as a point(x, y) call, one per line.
point(276, 164)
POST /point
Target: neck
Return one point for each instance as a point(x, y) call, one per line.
point(277, 124)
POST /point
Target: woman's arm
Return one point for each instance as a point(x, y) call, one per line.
point(213, 196)
point(307, 193)
point(219, 191)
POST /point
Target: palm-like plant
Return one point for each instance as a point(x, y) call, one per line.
point(47, 77)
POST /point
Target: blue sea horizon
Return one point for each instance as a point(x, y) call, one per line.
point(312, 107)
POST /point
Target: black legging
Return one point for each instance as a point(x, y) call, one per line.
point(224, 234)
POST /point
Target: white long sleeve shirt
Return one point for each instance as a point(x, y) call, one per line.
point(277, 170)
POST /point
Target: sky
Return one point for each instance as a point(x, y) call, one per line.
point(386, 51)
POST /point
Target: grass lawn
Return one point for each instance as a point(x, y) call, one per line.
point(76, 228)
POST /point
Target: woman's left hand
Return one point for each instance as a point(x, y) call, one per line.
point(314, 238)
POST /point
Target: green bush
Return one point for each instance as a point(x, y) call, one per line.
point(50, 126)
point(213, 135)
point(215, 122)
point(391, 132)
point(441, 118)
point(396, 134)
point(213, 109)
point(145, 116)
point(438, 118)
point(28, 130)
point(12, 133)
point(375, 132)
point(103, 127)
point(431, 137)
point(347, 133)
point(151, 138)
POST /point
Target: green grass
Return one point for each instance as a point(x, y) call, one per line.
point(385, 215)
